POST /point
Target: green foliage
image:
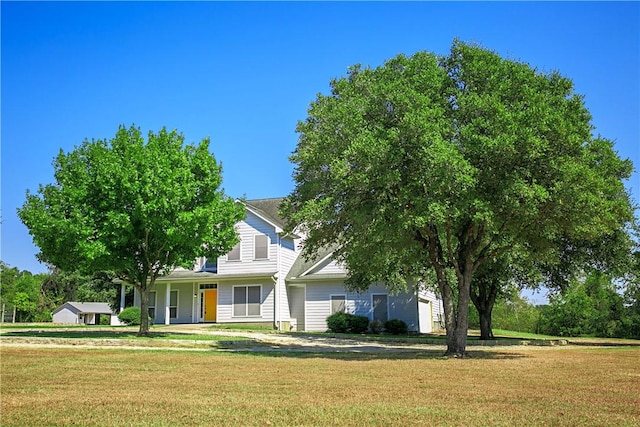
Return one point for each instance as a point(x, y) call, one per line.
point(130, 316)
point(431, 162)
point(592, 307)
point(396, 327)
point(512, 313)
point(341, 322)
point(132, 207)
point(338, 322)
point(376, 326)
point(358, 324)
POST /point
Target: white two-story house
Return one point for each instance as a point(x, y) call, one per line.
point(263, 280)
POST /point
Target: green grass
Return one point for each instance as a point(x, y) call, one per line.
point(125, 335)
point(524, 386)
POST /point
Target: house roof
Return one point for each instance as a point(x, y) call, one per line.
point(192, 276)
point(303, 265)
point(87, 307)
point(268, 208)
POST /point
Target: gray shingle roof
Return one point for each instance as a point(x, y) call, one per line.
point(268, 208)
point(301, 264)
point(88, 307)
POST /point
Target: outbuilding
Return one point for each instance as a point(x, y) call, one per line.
point(87, 313)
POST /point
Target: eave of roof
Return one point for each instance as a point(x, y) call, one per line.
point(197, 276)
point(268, 210)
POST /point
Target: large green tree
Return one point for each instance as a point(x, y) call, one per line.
point(445, 162)
point(566, 261)
point(132, 207)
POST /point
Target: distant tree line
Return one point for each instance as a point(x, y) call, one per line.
point(28, 297)
point(595, 306)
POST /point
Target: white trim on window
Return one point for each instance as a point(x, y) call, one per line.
point(247, 307)
point(235, 254)
point(337, 298)
point(260, 247)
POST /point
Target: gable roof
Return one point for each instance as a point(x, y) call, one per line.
point(302, 266)
point(267, 209)
point(87, 307)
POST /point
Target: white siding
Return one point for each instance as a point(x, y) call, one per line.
point(247, 230)
point(287, 256)
point(65, 315)
point(225, 302)
point(318, 304)
point(296, 302)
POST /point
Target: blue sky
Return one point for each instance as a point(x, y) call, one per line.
point(243, 74)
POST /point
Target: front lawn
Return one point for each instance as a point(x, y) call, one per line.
point(521, 386)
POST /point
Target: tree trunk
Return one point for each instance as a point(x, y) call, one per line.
point(457, 346)
point(484, 300)
point(486, 331)
point(144, 311)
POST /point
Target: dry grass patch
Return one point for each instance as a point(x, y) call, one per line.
point(523, 386)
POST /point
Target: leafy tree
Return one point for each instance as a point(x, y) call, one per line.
point(132, 207)
point(589, 307)
point(61, 286)
point(8, 277)
point(567, 261)
point(446, 162)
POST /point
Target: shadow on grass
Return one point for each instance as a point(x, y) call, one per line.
point(357, 356)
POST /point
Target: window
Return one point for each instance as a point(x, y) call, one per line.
point(211, 265)
point(338, 303)
point(234, 255)
point(261, 245)
point(152, 304)
point(173, 304)
point(246, 300)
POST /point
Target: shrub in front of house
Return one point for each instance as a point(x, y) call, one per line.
point(341, 322)
point(130, 316)
point(338, 322)
point(376, 326)
point(396, 327)
point(358, 324)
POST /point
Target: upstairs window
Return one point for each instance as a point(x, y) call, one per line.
point(210, 265)
point(261, 245)
point(234, 255)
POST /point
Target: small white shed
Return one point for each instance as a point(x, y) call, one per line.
point(84, 312)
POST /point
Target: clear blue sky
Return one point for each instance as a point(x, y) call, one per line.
point(243, 74)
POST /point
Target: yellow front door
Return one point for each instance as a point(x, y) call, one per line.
point(210, 305)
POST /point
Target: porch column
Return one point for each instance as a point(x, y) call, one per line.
point(122, 293)
point(166, 304)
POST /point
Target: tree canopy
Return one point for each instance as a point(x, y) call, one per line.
point(443, 163)
point(134, 208)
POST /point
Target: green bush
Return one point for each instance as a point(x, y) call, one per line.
point(358, 324)
point(130, 316)
point(376, 326)
point(396, 327)
point(338, 322)
point(341, 322)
